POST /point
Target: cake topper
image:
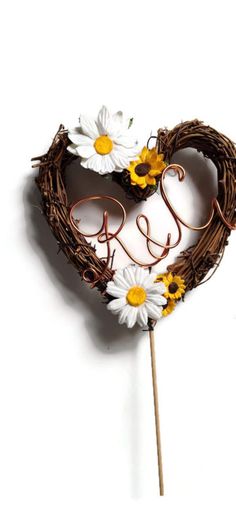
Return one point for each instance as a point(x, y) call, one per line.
point(137, 293)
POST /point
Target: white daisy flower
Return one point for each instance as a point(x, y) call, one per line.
point(105, 144)
point(137, 296)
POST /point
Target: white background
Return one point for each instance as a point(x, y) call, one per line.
point(77, 441)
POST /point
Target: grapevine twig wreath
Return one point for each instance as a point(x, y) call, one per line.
point(138, 293)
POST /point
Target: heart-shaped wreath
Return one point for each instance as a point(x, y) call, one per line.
point(105, 145)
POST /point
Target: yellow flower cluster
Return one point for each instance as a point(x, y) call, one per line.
point(145, 170)
point(175, 289)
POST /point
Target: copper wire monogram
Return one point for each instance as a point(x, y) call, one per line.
point(104, 236)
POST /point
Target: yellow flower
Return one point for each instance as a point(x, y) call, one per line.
point(168, 308)
point(143, 172)
point(175, 286)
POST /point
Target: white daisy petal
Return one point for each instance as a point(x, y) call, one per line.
point(154, 273)
point(115, 291)
point(142, 317)
point(118, 117)
point(154, 312)
point(84, 163)
point(149, 280)
point(116, 305)
point(119, 125)
point(89, 126)
point(127, 122)
point(121, 121)
point(120, 281)
point(132, 317)
point(72, 149)
point(123, 314)
point(75, 130)
point(155, 287)
point(161, 287)
point(103, 120)
point(80, 140)
point(93, 163)
point(125, 141)
point(86, 151)
point(129, 274)
point(118, 169)
point(140, 275)
point(107, 164)
point(156, 298)
point(122, 157)
point(131, 152)
point(120, 161)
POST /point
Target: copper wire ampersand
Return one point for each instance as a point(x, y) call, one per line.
point(104, 236)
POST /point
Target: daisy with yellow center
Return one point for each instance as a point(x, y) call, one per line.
point(175, 286)
point(147, 168)
point(137, 296)
point(168, 307)
point(105, 144)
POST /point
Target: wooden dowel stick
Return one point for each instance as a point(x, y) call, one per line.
point(156, 410)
